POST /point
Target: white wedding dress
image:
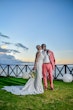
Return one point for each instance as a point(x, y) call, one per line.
point(33, 85)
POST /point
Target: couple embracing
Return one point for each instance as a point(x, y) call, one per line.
point(44, 66)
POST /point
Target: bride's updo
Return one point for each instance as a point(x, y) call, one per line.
point(38, 47)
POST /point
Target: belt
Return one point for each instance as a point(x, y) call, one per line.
point(46, 63)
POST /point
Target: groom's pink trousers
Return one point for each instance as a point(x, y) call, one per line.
point(47, 70)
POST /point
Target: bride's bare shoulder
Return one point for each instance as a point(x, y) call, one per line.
point(37, 54)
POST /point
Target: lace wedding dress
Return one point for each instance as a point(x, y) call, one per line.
point(33, 85)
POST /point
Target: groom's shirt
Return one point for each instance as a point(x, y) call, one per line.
point(46, 57)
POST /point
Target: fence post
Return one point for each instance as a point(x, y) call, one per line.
point(26, 68)
point(16, 70)
point(55, 73)
point(65, 69)
point(8, 71)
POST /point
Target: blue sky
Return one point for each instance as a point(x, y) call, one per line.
point(32, 22)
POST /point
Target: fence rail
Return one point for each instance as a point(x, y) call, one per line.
point(19, 70)
point(60, 70)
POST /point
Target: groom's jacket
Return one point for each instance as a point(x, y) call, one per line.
point(52, 58)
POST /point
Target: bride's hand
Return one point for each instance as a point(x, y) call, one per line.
point(34, 68)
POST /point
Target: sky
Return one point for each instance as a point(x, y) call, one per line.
point(27, 23)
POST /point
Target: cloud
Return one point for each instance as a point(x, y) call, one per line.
point(17, 44)
point(21, 46)
point(15, 51)
point(7, 43)
point(2, 50)
point(5, 36)
point(3, 46)
point(8, 59)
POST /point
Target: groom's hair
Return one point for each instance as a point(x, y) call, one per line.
point(43, 45)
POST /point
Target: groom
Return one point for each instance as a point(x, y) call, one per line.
point(48, 66)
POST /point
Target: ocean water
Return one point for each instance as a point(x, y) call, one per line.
point(21, 70)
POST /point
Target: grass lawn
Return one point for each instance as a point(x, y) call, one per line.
point(59, 99)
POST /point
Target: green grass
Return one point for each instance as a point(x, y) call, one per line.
point(59, 99)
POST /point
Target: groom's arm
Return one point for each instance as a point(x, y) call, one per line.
point(52, 59)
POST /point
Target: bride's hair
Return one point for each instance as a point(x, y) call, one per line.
point(37, 46)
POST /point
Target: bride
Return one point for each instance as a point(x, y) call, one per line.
point(34, 85)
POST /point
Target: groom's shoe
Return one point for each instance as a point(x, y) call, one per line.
point(51, 88)
point(45, 88)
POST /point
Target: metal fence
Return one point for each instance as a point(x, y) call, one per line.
point(61, 69)
point(19, 70)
